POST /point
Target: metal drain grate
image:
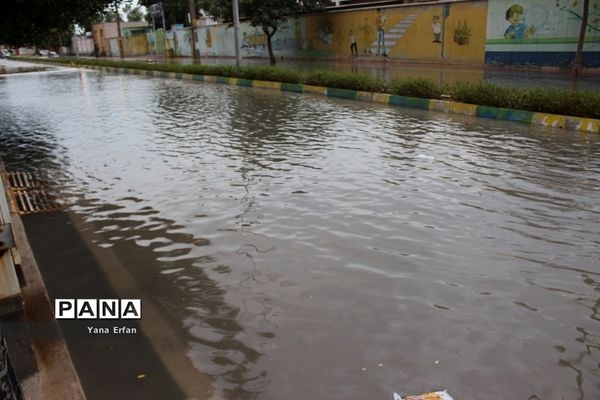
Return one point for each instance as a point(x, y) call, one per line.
point(35, 201)
point(22, 180)
point(28, 194)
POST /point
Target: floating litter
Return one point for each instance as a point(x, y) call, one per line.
point(427, 396)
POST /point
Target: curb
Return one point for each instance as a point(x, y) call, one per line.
point(587, 125)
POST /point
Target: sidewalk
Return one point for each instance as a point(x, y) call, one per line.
point(14, 67)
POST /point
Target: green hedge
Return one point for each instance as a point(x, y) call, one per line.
point(416, 87)
point(553, 101)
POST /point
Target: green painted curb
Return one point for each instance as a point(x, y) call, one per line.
point(244, 82)
point(413, 102)
point(342, 93)
point(527, 117)
point(505, 114)
point(292, 87)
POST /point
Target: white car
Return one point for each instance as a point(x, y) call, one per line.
point(46, 53)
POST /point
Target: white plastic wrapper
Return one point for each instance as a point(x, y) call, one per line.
point(427, 396)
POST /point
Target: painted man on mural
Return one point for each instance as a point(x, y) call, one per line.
point(367, 31)
point(517, 29)
point(380, 22)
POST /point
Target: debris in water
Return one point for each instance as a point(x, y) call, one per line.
point(424, 157)
point(427, 396)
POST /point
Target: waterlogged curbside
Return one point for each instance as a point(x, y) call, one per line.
point(582, 124)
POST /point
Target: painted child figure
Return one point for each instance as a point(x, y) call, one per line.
point(518, 29)
point(353, 45)
point(437, 29)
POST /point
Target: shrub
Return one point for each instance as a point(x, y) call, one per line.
point(423, 88)
point(553, 101)
point(482, 93)
point(344, 80)
point(268, 73)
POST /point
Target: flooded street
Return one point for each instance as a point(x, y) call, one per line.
point(303, 247)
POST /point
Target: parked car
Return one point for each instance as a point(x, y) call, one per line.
point(5, 53)
point(46, 53)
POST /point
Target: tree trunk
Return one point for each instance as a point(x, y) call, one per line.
point(584, 25)
point(269, 44)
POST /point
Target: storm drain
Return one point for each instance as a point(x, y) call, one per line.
point(28, 195)
point(22, 180)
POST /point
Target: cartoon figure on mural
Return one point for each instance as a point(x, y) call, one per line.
point(301, 42)
point(367, 31)
point(245, 41)
point(517, 29)
point(257, 39)
point(437, 29)
point(353, 45)
point(380, 22)
point(325, 30)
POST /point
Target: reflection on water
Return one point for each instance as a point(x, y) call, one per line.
point(307, 247)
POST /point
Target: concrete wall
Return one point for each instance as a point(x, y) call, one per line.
point(545, 33)
point(408, 34)
point(81, 45)
point(474, 32)
point(104, 33)
point(136, 45)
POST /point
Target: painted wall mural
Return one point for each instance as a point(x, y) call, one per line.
point(541, 32)
point(452, 32)
point(217, 40)
point(446, 32)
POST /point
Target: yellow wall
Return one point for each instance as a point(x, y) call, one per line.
point(135, 45)
point(475, 13)
point(408, 32)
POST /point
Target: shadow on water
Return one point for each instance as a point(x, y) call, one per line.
point(162, 260)
point(138, 238)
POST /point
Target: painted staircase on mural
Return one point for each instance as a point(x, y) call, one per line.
point(394, 34)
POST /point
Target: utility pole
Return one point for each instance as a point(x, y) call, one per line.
point(236, 33)
point(119, 42)
point(154, 33)
point(445, 14)
point(162, 12)
point(193, 22)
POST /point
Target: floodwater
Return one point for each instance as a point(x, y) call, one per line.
point(312, 248)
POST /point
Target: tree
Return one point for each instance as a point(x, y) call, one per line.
point(176, 11)
point(590, 21)
point(269, 15)
point(108, 16)
point(133, 13)
point(44, 22)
